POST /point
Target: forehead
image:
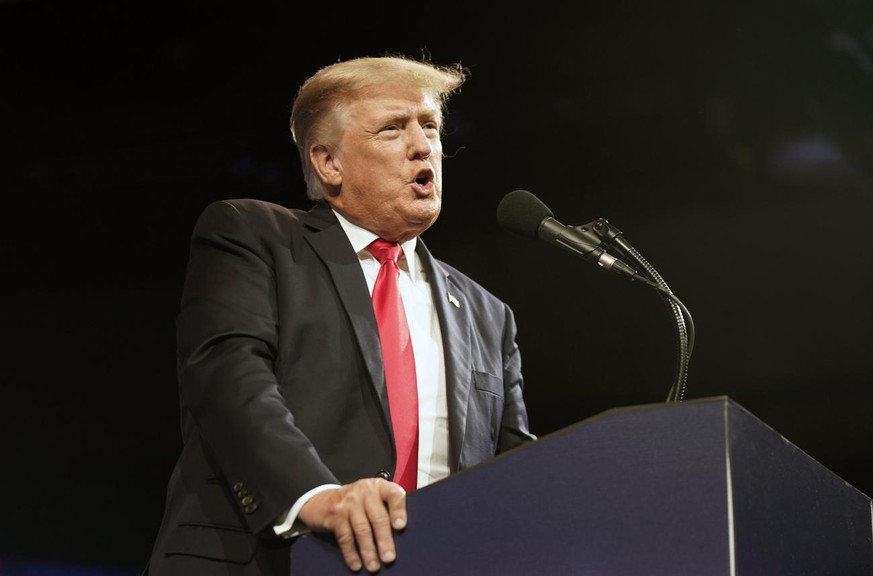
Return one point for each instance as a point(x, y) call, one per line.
point(394, 99)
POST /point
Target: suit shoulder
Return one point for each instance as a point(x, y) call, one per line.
point(253, 207)
point(470, 286)
point(260, 215)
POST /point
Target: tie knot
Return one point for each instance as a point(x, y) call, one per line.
point(384, 250)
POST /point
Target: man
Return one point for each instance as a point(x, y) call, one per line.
point(287, 409)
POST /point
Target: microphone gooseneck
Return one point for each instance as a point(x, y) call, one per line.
point(684, 331)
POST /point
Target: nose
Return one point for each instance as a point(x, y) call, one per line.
point(421, 145)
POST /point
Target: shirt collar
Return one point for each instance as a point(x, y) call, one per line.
point(361, 238)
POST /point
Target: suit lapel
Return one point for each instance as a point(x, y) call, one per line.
point(332, 245)
point(455, 324)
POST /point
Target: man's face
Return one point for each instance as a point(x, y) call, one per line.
point(388, 162)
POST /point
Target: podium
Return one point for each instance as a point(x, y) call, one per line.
point(700, 488)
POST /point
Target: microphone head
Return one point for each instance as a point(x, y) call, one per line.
point(522, 213)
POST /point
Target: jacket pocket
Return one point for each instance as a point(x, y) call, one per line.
point(209, 527)
point(212, 543)
point(484, 382)
point(484, 415)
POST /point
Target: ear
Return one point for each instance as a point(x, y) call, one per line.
point(326, 164)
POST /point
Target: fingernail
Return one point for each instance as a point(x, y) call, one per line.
point(372, 566)
point(388, 556)
point(399, 523)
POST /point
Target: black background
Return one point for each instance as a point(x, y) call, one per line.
point(732, 143)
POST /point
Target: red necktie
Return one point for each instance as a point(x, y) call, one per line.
point(399, 362)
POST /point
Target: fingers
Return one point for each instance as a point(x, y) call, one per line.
point(362, 516)
point(381, 521)
point(369, 526)
point(345, 538)
point(395, 497)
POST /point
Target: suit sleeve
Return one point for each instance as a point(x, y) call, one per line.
point(514, 426)
point(227, 343)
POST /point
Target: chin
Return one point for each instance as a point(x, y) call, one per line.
point(418, 223)
point(424, 213)
point(429, 219)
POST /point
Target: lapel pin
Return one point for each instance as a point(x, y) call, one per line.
point(453, 300)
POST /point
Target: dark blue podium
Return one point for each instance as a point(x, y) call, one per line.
point(697, 488)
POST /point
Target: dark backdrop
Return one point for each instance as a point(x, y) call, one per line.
point(730, 142)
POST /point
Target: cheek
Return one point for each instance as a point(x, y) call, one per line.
point(438, 174)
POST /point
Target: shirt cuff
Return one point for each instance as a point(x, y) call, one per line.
point(286, 525)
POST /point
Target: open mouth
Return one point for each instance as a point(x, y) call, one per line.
point(424, 177)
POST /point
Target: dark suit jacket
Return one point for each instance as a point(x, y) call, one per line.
point(282, 386)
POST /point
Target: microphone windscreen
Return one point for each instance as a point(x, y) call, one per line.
point(522, 212)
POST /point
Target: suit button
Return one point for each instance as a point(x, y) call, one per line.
point(238, 486)
point(251, 508)
point(247, 501)
point(384, 474)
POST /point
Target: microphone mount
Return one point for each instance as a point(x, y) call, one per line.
point(585, 242)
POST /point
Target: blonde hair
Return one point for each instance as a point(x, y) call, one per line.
point(324, 93)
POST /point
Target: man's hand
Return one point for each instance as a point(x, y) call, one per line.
point(362, 516)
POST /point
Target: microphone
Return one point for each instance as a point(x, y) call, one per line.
point(524, 214)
